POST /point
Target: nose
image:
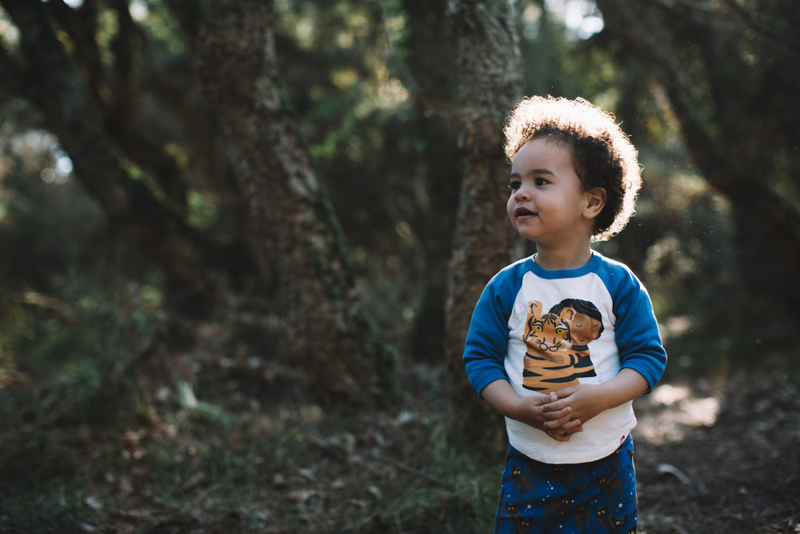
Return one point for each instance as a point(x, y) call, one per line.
point(521, 194)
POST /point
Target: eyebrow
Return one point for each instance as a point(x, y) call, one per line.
point(535, 170)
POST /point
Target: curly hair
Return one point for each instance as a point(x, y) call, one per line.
point(603, 155)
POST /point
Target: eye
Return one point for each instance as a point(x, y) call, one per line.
point(540, 181)
point(513, 184)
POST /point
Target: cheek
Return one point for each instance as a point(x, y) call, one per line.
point(510, 207)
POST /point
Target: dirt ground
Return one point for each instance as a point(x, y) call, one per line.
point(720, 458)
point(712, 457)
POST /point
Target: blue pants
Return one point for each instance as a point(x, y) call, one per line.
point(595, 497)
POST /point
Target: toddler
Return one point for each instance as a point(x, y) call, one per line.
point(561, 343)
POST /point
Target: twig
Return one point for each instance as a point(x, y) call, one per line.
point(674, 471)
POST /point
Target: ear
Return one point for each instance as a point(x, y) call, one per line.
point(595, 202)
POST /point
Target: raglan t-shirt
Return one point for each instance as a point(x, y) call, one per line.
point(545, 330)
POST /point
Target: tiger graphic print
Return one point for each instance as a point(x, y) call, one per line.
point(557, 344)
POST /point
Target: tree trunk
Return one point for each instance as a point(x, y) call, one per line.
point(731, 76)
point(490, 84)
point(293, 231)
point(432, 64)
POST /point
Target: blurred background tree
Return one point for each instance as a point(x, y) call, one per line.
point(293, 231)
point(122, 222)
point(726, 74)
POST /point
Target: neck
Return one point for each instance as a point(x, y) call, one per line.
point(562, 260)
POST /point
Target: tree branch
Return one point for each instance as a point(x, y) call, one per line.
point(788, 37)
point(123, 64)
point(81, 26)
point(14, 74)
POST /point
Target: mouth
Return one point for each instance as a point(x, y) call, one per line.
point(523, 212)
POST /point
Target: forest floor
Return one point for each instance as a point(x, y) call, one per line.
point(222, 456)
point(720, 458)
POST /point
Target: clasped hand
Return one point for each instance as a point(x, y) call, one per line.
point(561, 413)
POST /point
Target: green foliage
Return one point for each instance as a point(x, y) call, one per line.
point(202, 210)
point(464, 500)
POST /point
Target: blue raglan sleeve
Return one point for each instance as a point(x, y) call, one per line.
point(638, 340)
point(487, 338)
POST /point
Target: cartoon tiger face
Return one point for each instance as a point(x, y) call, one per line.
point(557, 352)
point(547, 334)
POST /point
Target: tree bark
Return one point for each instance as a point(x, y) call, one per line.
point(490, 84)
point(294, 233)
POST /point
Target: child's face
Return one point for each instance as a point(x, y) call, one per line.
point(547, 203)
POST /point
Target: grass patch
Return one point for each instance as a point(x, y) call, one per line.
point(183, 469)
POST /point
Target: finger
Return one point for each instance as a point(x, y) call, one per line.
point(573, 425)
point(564, 392)
point(565, 424)
point(556, 423)
point(558, 436)
point(567, 430)
point(554, 406)
point(563, 435)
point(556, 414)
point(539, 400)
